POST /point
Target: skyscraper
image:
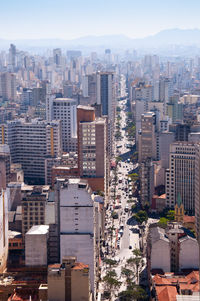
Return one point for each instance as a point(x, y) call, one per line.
point(77, 223)
point(57, 56)
point(12, 56)
point(92, 152)
point(8, 86)
point(30, 141)
point(180, 178)
point(147, 137)
point(64, 109)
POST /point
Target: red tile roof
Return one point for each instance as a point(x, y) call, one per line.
point(166, 293)
point(80, 266)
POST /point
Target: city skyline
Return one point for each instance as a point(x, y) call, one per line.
point(67, 20)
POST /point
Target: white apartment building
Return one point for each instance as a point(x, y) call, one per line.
point(64, 109)
point(77, 223)
point(180, 178)
point(30, 142)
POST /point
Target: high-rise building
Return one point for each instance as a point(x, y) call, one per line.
point(67, 90)
point(30, 141)
point(5, 162)
point(8, 86)
point(180, 178)
point(147, 137)
point(64, 109)
point(69, 281)
point(12, 56)
point(90, 88)
point(57, 56)
point(105, 93)
point(146, 181)
point(76, 221)
point(92, 151)
point(106, 98)
point(163, 90)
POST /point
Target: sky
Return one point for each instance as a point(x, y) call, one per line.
point(65, 19)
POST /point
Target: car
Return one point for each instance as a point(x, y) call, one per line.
point(126, 208)
point(130, 247)
point(121, 232)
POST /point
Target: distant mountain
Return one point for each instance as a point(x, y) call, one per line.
point(171, 37)
point(166, 37)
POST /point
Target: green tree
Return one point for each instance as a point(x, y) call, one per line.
point(128, 274)
point(163, 222)
point(136, 262)
point(110, 262)
point(134, 292)
point(111, 282)
point(141, 216)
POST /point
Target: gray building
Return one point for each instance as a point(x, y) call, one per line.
point(30, 141)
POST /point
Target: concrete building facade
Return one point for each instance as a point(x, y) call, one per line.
point(180, 178)
point(147, 137)
point(64, 109)
point(92, 148)
point(36, 244)
point(69, 281)
point(34, 202)
point(8, 86)
point(76, 219)
point(30, 141)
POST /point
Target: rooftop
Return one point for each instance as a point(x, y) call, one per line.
point(14, 234)
point(64, 99)
point(166, 285)
point(166, 293)
point(38, 229)
point(158, 233)
point(85, 107)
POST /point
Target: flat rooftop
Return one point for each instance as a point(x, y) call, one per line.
point(38, 229)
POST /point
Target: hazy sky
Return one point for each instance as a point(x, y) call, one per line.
point(71, 19)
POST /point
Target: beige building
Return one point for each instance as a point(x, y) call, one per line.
point(92, 148)
point(69, 281)
point(33, 206)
